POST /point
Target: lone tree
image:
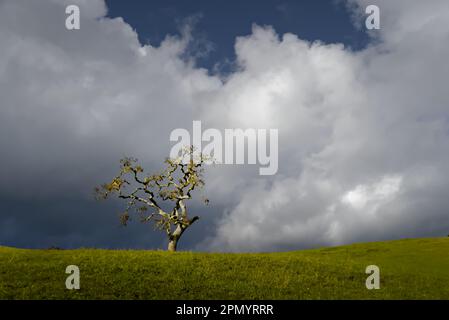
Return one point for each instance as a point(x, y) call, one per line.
point(145, 194)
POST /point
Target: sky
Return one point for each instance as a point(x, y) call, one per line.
point(363, 118)
point(216, 24)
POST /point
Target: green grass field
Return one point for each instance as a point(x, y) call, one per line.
point(410, 269)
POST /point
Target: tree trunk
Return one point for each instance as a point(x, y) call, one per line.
point(172, 243)
point(174, 237)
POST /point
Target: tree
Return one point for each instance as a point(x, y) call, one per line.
point(145, 194)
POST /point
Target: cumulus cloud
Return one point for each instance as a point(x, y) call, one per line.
point(363, 136)
point(362, 195)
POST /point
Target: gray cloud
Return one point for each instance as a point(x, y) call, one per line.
point(363, 135)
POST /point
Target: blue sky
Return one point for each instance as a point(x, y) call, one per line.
point(218, 23)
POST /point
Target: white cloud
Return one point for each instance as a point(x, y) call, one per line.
point(360, 127)
point(374, 194)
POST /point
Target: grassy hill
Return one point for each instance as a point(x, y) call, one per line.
point(410, 269)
